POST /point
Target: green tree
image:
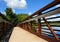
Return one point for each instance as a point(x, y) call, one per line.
point(21, 17)
point(0, 17)
point(11, 15)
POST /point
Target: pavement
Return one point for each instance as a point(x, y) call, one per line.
point(21, 35)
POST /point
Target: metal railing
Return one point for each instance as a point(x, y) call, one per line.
point(5, 26)
point(50, 35)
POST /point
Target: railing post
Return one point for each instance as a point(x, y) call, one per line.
point(30, 26)
point(4, 28)
point(26, 26)
point(39, 26)
point(21, 25)
point(7, 26)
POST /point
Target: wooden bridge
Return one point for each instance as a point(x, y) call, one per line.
point(26, 31)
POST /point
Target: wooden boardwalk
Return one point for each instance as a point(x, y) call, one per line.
point(21, 35)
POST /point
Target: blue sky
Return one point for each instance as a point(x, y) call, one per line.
point(29, 6)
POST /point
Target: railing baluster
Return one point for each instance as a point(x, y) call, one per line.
point(26, 26)
point(4, 28)
point(39, 26)
point(31, 26)
point(49, 13)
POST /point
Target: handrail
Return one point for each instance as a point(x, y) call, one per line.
point(2, 20)
point(57, 11)
point(28, 22)
point(5, 26)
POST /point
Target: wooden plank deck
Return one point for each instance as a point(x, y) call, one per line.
point(21, 35)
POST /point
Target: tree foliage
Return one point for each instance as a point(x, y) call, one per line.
point(11, 15)
point(21, 17)
point(0, 17)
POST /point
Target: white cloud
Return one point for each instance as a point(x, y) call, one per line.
point(13, 10)
point(29, 13)
point(20, 4)
point(4, 13)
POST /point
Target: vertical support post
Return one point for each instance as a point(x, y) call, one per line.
point(30, 26)
point(10, 26)
point(7, 26)
point(26, 26)
point(4, 28)
point(39, 26)
point(21, 25)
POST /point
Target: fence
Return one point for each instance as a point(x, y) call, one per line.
point(5, 27)
point(44, 19)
